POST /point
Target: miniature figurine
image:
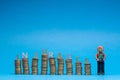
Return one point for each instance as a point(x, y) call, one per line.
point(100, 57)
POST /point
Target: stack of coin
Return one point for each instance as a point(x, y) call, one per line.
point(35, 66)
point(44, 64)
point(69, 67)
point(52, 66)
point(87, 67)
point(25, 65)
point(60, 66)
point(78, 68)
point(17, 66)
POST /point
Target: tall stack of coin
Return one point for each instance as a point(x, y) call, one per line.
point(60, 65)
point(52, 66)
point(44, 63)
point(25, 65)
point(69, 67)
point(17, 66)
point(87, 67)
point(35, 65)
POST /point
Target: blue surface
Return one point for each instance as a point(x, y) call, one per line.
point(32, 77)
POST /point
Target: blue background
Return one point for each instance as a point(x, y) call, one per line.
point(75, 27)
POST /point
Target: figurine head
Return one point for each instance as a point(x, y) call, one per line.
point(100, 49)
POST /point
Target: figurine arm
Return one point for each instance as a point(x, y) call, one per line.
point(97, 57)
point(104, 56)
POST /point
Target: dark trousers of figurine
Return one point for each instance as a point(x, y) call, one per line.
point(100, 67)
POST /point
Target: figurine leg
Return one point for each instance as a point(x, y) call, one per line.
point(103, 68)
point(98, 70)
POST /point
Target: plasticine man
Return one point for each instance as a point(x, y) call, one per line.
point(100, 57)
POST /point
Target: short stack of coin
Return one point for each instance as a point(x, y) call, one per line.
point(17, 66)
point(87, 67)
